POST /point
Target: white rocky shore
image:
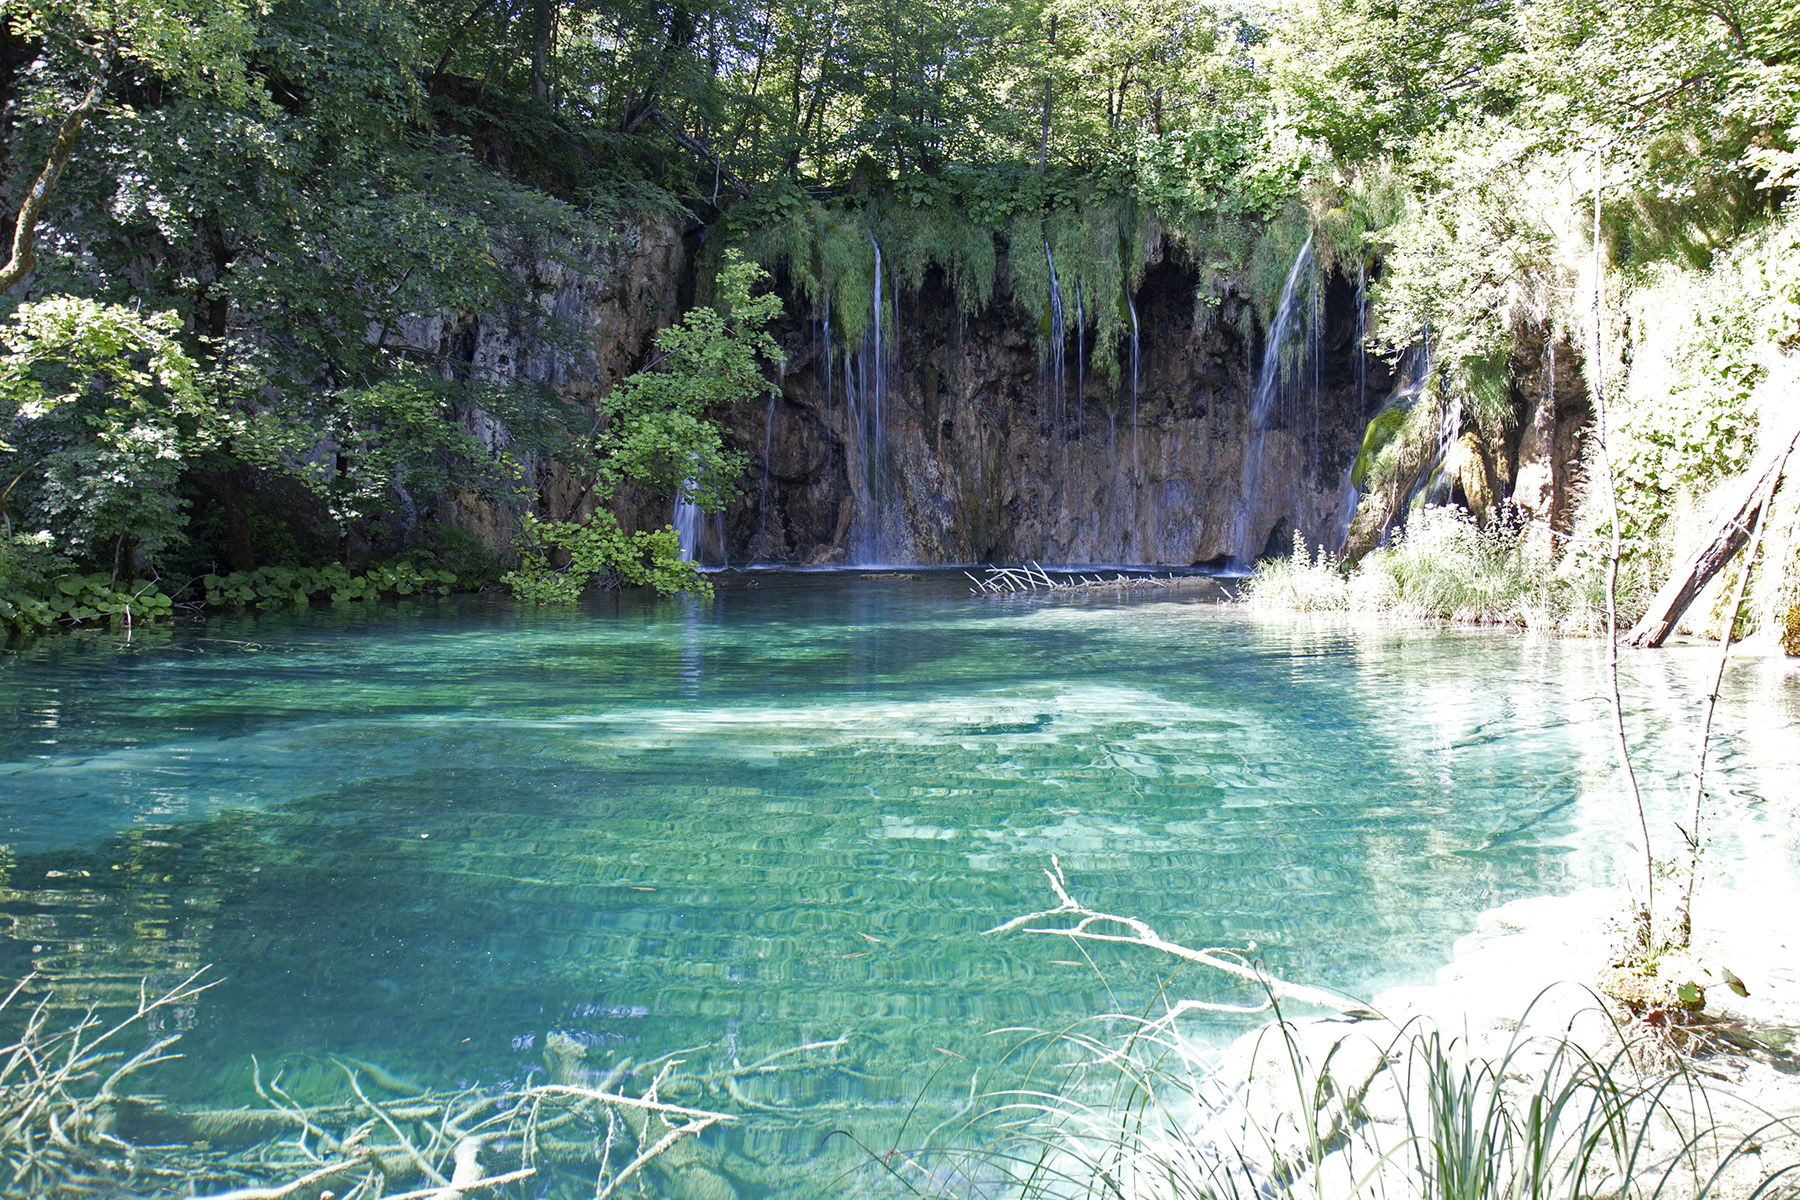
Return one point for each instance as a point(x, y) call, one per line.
point(1342, 1106)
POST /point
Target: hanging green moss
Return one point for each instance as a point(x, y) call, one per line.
point(1485, 384)
point(1266, 272)
point(1098, 247)
point(1376, 438)
point(829, 250)
point(1405, 443)
point(1217, 248)
point(920, 237)
point(1347, 221)
point(844, 255)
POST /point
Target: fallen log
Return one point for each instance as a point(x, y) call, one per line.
point(1740, 506)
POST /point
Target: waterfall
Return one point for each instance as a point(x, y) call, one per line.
point(1268, 394)
point(865, 391)
point(825, 338)
point(1362, 335)
point(1131, 308)
point(1314, 324)
point(1058, 362)
point(687, 522)
point(1433, 486)
point(759, 550)
point(1080, 360)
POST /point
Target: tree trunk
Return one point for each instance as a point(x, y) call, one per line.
point(1739, 507)
point(228, 487)
point(542, 12)
point(1044, 145)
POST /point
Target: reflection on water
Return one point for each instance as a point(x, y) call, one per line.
point(430, 839)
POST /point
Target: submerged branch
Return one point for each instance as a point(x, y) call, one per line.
point(64, 1095)
point(1140, 933)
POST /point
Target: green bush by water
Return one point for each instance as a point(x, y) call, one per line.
point(301, 585)
point(559, 560)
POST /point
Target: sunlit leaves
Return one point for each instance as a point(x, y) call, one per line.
point(657, 430)
point(106, 407)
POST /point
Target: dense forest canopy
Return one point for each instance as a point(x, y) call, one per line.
point(226, 211)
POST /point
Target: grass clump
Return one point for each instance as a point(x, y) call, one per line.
point(1321, 1110)
point(1444, 565)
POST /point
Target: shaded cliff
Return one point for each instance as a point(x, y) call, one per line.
point(945, 439)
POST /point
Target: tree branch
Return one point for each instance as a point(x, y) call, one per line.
point(25, 229)
point(1141, 934)
point(694, 146)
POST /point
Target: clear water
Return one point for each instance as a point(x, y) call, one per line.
point(429, 837)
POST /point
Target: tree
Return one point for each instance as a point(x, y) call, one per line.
point(658, 433)
point(105, 409)
point(82, 50)
point(657, 430)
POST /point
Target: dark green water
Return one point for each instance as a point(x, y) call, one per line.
point(428, 838)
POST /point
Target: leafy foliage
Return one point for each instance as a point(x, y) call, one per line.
point(559, 560)
point(1444, 566)
point(658, 435)
point(657, 432)
point(104, 407)
point(299, 586)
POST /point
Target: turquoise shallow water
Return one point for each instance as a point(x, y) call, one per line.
point(429, 838)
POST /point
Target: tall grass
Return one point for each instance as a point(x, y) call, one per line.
point(1442, 566)
point(1329, 1111)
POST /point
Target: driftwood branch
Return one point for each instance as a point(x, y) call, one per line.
point(59, 1092)
point(1683, 920)
point(1740, 506)
point(1031, 577)
point(1095, 926)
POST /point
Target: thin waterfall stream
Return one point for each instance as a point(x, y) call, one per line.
point(1247, 540)
point(865, 396)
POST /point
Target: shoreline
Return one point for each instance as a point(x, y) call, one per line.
point(1499, 1025)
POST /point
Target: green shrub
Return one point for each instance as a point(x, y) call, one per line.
point(1301, 582)
point(1442, 566)
point(39, 591)
point(598, 552)
point(460, 552)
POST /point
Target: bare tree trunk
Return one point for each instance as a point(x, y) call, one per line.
point(542, 20)
point(1683, 911)
point(1044, 145)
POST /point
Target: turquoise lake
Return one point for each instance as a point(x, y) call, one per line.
point(429, 837)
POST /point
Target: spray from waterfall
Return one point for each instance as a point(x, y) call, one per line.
point(1247, 539)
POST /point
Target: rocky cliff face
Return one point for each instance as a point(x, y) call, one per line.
point(963, 441)
point(945, 439)
point(605, 316)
